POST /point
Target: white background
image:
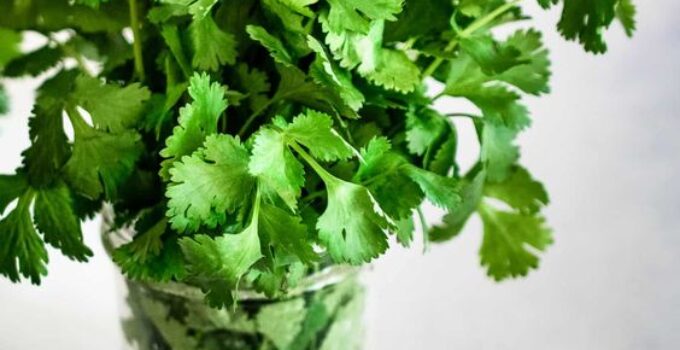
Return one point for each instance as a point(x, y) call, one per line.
point(605, 142)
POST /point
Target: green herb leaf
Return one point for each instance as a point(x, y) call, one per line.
point(56, 219)
point(101, 162)
point(349, 14)
point(510, 241)
point(212, 47)
point(22, 252)
point(314, 130)
point(208, 184)
point(351, 227)
point(520, 191)
point(219, 263)
point(154, 254)
point(286, 233)
point(197, 120)
point(276, 168)
point(33, 63)
point(112, 108)
point(586, 21)
point(454, 221)
point(11, 188)
point(275, 47)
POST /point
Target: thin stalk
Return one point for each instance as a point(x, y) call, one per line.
point(425, 228)
point(254, 116)
point(323, 173)
point(136, 40)
point(463, 115)
point(314, 195)
point(476, 25)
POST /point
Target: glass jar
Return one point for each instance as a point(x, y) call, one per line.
point(324, 312)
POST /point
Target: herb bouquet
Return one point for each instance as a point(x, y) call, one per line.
point(248, 151)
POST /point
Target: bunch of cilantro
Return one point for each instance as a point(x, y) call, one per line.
point(253, 141)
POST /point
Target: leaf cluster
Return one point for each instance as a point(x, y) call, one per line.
point(250, 142)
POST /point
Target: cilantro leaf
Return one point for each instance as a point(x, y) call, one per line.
point(256, 84)
point(442, 191)
point(388, 68)
point(101, 161)
point(159, 109)
point(276, 168)
point(212, 46)
point(55, 15)
point(49, 148)
point(424, 128)
point(354, 49)
point(285, 233)
point(326, 73)
point(625, 12)
point(510, 240)
point(153, 255)
point(492, 57)
point(197, 120)
point(350, 227)
point(219, 263)
point(22, 252)
point(315, 131)
point(471, 191)
point(206, 185)
point(381, 173)
point(11, 188)
point(389, 174)
point(33, 63)
point(296, 86)
point(586, 21)
point(356, 15)
point(404, 231)
point(56, 219)
point(113, 108)
point(276, 48)
point(420, 18)
point(533, 74)
point(395, 72)
point(445, 155)
point(499, 151)
point(520, 191)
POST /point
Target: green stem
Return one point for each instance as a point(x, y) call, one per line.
point(314, 195)
point(462, 115)
point(254, 116)
point(476, 25)
point(137, 39)
point(426, 229)
point(344, 127)
point(323, 173)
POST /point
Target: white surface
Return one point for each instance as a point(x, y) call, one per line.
point(605, 143)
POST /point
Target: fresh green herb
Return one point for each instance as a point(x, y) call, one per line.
point(250, 142)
